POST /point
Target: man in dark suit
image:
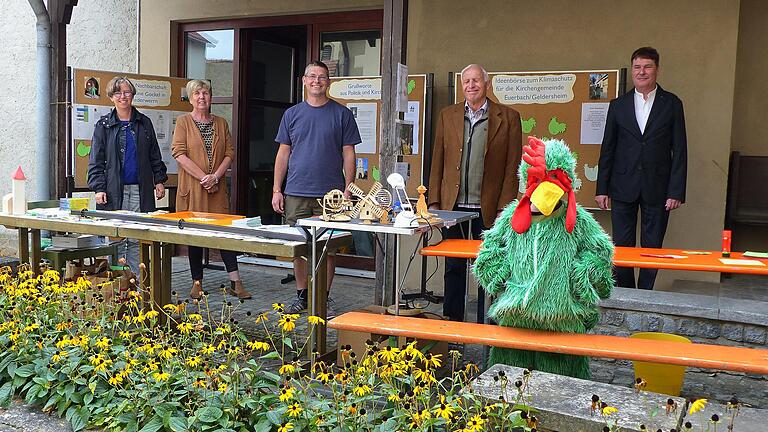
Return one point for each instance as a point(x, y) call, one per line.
point(643, 163)
point(477, 150)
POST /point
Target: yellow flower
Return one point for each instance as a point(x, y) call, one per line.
point(222, 387)
point(256, 345)
point(161, 376)
point(697, 406)
point(323, 377)
point(152, 314)
point(115, 380)
point(362, 389)
point(208, 349)
point(475, 424)
point(58, 357)
point(315, 320)
point(425, 376)
point(294, 409)
point(193, 361)
point(168, 353)
point(432, 360)
point(184, 328)
point(125, 334)
point(103, 343)
point(608, 410)
point(171, 308)
point(262, 317)
point(199, 383)
point(286, 394)
point(394, 397)
point(278, 307)
point(287, 323)
point(195, 317)
point(444, 410)
point(285, 427)
point(287, 369)
point(388, 354)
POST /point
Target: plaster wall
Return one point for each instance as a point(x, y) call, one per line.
point(699, 66)
point(102, 35)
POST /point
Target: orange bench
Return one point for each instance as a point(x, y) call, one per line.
point(720, 357)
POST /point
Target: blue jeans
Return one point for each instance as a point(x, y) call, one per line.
point(129, 248)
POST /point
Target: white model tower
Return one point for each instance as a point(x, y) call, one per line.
point(19, 192)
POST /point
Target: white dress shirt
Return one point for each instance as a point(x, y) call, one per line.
point(643, 107)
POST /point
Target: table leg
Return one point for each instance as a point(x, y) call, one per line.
point(396, 269)
point(141, 275)
point(36, 253)
point(23, 245)
point(318, 295)
point(166, 253)
point(156, 275)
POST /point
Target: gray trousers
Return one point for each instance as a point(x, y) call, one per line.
point(129, 248)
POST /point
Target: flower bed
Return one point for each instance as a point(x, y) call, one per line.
point(184, 366)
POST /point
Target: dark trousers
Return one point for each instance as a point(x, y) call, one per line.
point(195, 255)
point(456, 268)
point(653, 225)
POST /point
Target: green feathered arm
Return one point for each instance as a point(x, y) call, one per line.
point(492, 268)
point(591, 274)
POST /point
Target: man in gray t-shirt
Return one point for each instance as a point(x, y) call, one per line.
point(317, 140)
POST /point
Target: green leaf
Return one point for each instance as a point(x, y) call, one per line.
point(288, 342)
point(270, 356)
point(177, 424)
point(6, 393)
point(77, 420)
point(12, 369)
point(154, 424)
point(209, 414)
point(275, 417)
point(264, 425)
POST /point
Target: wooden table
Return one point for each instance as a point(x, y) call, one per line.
point(155, 247)
point(676, 259)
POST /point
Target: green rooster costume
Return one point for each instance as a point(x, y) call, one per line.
point(548, 266)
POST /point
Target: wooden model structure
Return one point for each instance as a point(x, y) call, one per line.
point(335, 207)
point(422, 211)
point(371, 206)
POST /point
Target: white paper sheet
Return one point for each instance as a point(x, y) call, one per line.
point(365, 115)
point(412, 115)
point(593, 115)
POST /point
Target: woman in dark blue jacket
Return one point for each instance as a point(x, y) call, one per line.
point(126, 169)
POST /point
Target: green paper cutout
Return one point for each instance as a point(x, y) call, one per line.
point(411, 86)
point(555, 127)
point(83, 150)
point(528, 125)
point(376, 173)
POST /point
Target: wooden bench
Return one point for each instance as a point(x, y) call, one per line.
point(707, 356)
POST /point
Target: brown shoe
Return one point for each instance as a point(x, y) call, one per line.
point(236, 289)
point(197, 289)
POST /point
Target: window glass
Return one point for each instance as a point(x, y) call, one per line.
point(352, 53)
point(209, 56)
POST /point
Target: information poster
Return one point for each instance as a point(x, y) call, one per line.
point(567, 105)
point(159, 98)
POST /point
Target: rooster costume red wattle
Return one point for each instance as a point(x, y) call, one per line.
point(538, 176)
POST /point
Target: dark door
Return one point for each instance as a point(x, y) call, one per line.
point(274, 59)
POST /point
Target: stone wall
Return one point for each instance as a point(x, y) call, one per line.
point(704, 319)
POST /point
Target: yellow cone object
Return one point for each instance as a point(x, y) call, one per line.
point(660, 378)
point(546, 196)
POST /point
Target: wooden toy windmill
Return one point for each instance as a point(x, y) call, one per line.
point(372, 205)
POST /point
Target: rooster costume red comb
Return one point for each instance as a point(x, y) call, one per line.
point(535, 155)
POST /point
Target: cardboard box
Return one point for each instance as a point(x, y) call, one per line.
point(357, 339)
point(76, 241)
point(73, 203)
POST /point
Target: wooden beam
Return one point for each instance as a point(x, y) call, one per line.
point(393, 52)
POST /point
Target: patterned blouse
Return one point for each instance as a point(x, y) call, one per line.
point(207, 131)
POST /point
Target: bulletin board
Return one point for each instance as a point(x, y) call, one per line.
point(162, 99)
point(567, 105)
point(362, 95)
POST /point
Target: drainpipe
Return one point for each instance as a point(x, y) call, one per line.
point(43, 100)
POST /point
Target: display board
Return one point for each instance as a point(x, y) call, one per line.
point(567, 105)
point(362, 95)
point(162, 99)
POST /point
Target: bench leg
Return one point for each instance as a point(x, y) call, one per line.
point(144, 256)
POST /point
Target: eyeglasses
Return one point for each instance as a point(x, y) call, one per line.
point(320, 78)
point(124, 94)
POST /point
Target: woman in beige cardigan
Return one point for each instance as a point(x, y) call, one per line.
point(202, 146)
